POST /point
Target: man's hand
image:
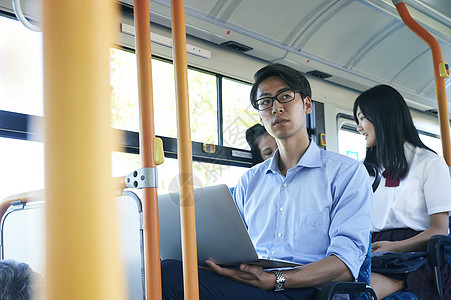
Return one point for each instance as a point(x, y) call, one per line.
point(247, 274)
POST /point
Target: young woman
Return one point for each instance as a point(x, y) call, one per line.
point(412, 202)
point(262, 144)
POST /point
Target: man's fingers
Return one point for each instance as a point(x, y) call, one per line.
point(221, 271)
point(250, 269)
point(213, 266)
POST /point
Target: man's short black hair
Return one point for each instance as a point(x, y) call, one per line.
point(293, 78)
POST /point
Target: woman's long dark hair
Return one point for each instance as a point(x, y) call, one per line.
point(253, 135)
point(387, 110)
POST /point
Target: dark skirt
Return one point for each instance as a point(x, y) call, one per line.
point(420, 282)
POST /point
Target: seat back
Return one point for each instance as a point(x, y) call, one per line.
point(22, 236)
point(373, 171)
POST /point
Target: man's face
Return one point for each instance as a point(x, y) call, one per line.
point(283, 120)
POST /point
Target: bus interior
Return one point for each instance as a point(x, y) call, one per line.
point(342, 46)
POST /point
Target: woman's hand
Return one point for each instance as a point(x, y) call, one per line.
point(247, 274)
point(384, 246)
point(439, 225)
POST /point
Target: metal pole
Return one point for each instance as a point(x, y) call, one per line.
point(82, 255)
point(146, 137)
point(440, 87)
point(184, 152)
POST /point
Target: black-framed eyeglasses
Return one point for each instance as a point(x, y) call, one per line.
point(265, 103)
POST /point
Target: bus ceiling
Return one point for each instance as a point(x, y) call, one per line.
point(360, 43)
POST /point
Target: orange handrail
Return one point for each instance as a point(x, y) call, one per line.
point(147, 134)
point(82, 253)
point(184, 152)
point(440, 87)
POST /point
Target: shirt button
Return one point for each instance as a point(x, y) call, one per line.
point(272, 252)
point(284, 184)
point(281, 209)
point(279, 234)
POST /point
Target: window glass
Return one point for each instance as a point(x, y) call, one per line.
point(124, 163)
point(125, 103)
point(22, 165)
point(351, 143)
point(204, 174)
point(239, 114)
point(211, 174)
point(203, 107)
point(21, 73)
point(433, 143)
point(164, 98)
point(124, 84)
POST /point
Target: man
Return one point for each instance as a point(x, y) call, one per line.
point(304, 204)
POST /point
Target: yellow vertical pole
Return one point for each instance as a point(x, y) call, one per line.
point(440, 87)
point(82, 255)
point(147, 134)
point(184, 152)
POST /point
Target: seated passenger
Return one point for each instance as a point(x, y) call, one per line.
point(303, 204)
point(17, 281)
point(262, 144)
point(412, 202)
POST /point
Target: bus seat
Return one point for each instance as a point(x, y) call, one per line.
point(435, 244)
point(373, 171)
point(27, 221)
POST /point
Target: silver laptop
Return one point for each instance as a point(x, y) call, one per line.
point(221, 233)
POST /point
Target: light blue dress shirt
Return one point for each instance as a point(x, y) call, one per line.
point(321, 208)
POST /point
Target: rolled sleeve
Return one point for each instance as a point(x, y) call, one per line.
point(351, 217)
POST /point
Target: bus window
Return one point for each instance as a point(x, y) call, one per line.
point(22, 165)
point(124, 84)
point(125, 111)
point(203, 107)
point(212, 174)
point(21, 72)
point(164, 98)
point(239, 115)
point(350, 142)
point(124, 163)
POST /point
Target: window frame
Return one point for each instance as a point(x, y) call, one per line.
point(16, 125)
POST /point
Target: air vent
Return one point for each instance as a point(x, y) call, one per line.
point(319, 74)
point(236, 46)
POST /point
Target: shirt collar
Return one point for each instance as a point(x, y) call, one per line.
point(310, 159)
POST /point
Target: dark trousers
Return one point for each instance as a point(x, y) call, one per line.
point(213, 286)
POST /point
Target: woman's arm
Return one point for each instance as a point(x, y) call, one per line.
point(439, 225)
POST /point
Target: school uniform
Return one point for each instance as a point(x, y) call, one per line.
point(402, 210)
